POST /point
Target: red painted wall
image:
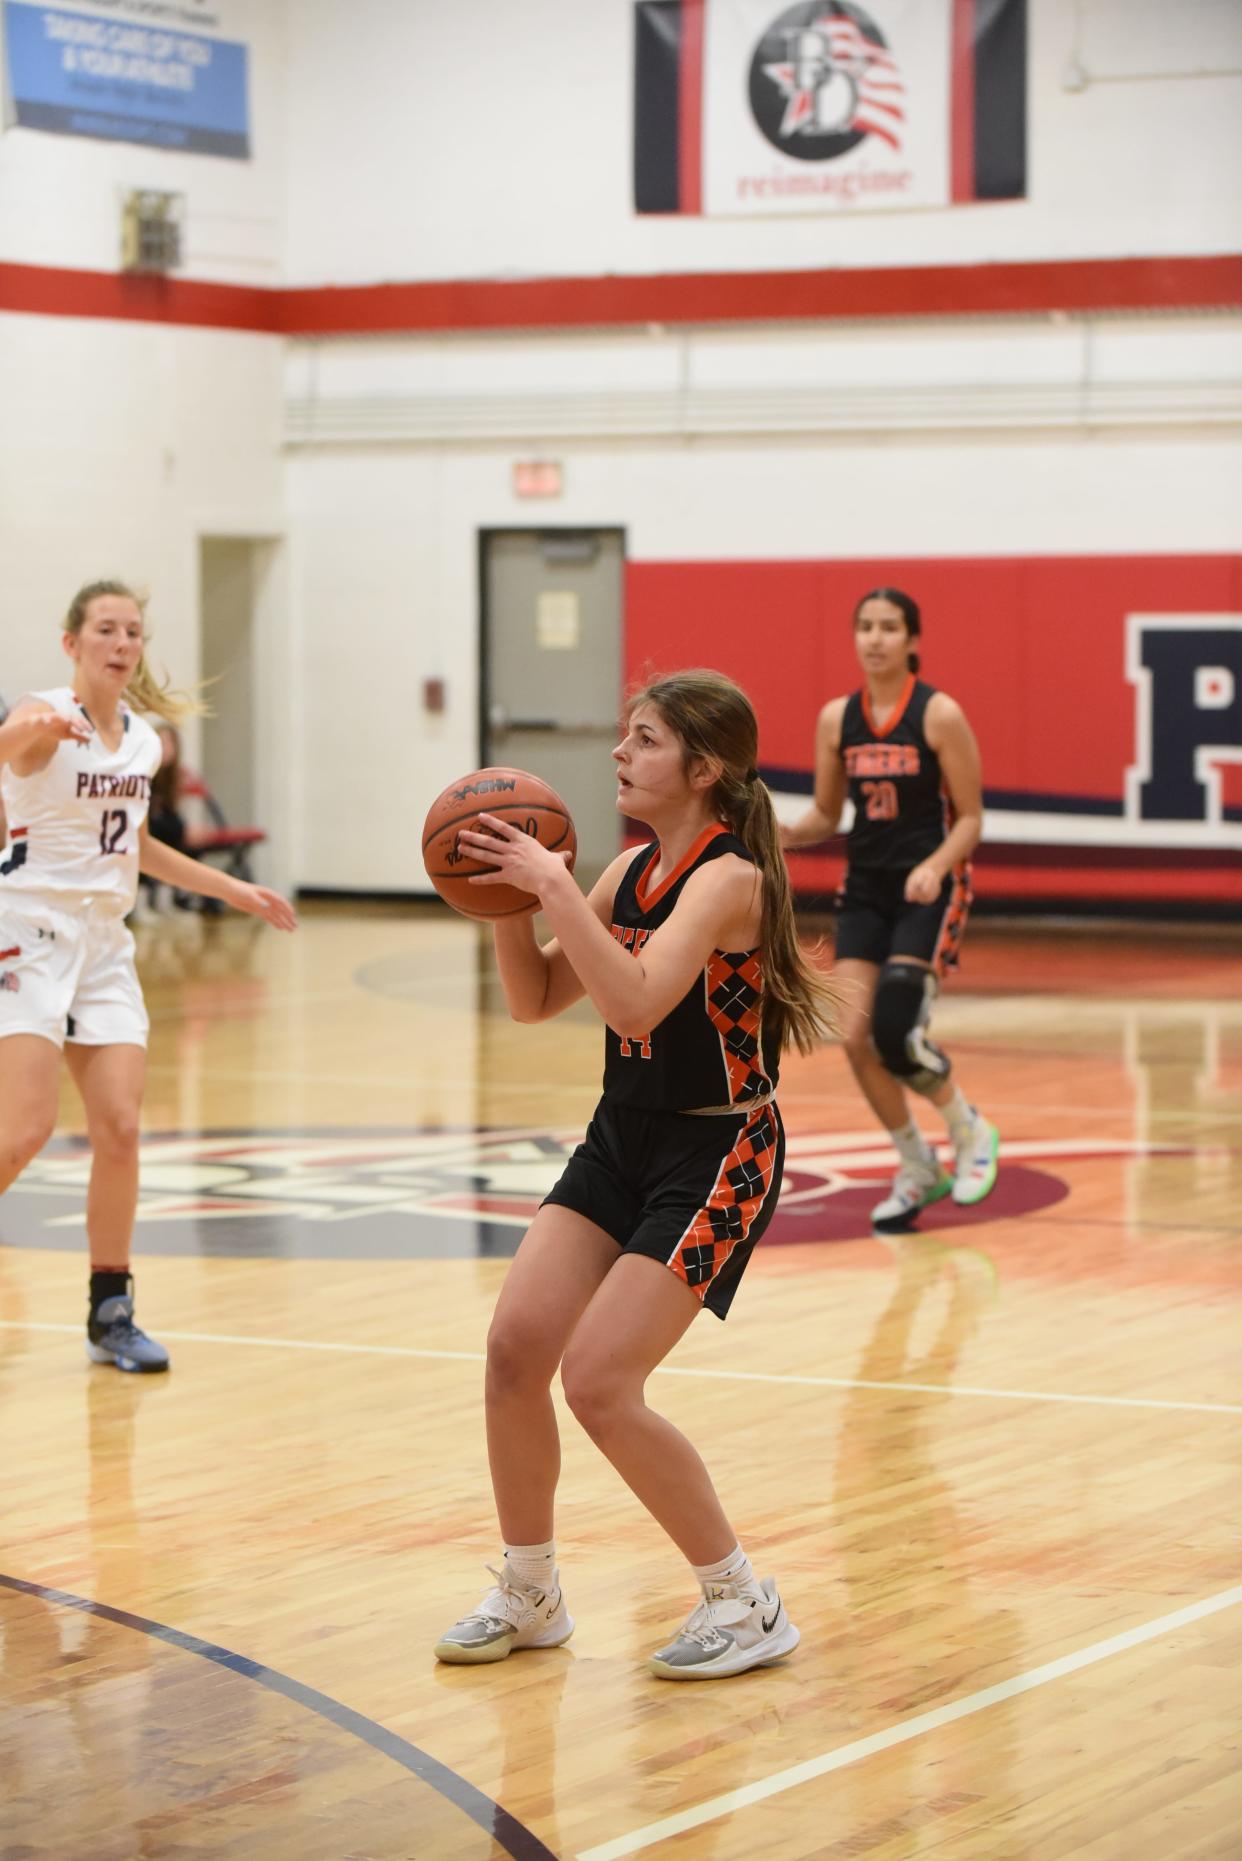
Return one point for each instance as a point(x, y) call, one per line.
point(1035, 650)
point(1184, 282)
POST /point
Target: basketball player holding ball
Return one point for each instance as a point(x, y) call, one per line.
point(901, 749)
point(688, 950)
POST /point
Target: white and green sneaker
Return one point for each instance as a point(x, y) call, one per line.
point(735, 1627)
point(914, 1186)
point(509, 1617)
point(975, 1162)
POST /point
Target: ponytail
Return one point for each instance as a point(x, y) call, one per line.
point(713, 718)
point(144, 692)
point(800, 1006)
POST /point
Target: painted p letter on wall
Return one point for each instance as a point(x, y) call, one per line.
point(1187, 674)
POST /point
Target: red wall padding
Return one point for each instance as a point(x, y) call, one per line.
point(1033, 648)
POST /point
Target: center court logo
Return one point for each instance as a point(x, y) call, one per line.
point(367, 1194)
point(823, 79)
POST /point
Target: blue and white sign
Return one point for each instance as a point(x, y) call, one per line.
point(77, 74)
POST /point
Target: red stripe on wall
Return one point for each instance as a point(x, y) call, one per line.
point(126, 297)
point(1155, 884)
point(962, 102)
point(728, 297)
point(999, 879)
point(570, 303)
point(690, 109)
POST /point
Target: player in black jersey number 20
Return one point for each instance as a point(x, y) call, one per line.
point(907, 758)
point(688, 950)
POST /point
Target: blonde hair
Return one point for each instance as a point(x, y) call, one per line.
point(714, 719)
point(144, 691)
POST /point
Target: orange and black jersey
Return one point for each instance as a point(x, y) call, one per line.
point(709, 1050)
point(901, 813)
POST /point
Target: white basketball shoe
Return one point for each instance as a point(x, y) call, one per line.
point(975, 1162)
point(735, 1627)
point(914, 1186)
point(509, 1617)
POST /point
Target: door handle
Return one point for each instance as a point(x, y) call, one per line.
point(500, 720)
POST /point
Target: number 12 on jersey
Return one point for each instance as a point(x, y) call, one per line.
point(112, 825)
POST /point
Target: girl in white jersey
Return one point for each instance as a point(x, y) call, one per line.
point(76, 764)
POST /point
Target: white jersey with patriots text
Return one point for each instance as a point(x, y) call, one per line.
point(74, 825)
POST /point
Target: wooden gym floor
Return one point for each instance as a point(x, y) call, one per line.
point(995, 1467)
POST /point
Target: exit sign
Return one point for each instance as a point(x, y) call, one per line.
point(538, 478)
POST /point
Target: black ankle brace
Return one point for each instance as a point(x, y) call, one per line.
point(109, 1284)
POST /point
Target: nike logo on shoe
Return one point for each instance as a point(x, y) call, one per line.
point(769, 1626)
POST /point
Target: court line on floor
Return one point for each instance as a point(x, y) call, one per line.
point(905, 1730)
point(1120, 1223)
point(513, 1836)
point(722, 1376)
point(400, 1079)
point(828, 1099)
point(960, 1389)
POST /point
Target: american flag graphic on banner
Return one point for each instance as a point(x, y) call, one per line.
point(748, 107)
point(836, 80)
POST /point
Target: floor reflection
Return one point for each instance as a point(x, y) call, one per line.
point(901, 1533)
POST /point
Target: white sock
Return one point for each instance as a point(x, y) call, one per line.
point(735, 1568)
point(912, 1146)
point(534, 1565)
point(958, 1114)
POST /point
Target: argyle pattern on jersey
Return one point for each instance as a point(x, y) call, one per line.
point(949, 942)
point(736, 1198)
point(733, 983)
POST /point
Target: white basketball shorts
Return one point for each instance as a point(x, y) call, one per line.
point(69, 978)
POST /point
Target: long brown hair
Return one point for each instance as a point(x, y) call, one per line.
point(144, 691)
point(714, 719)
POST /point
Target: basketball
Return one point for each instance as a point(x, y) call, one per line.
point(511, 795)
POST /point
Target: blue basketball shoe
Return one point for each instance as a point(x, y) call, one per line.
point(113, 1337)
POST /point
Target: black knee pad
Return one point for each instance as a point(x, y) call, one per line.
point(899, 1018)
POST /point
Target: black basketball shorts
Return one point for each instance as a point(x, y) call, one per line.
point(695, 1193)
point(874, 921)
